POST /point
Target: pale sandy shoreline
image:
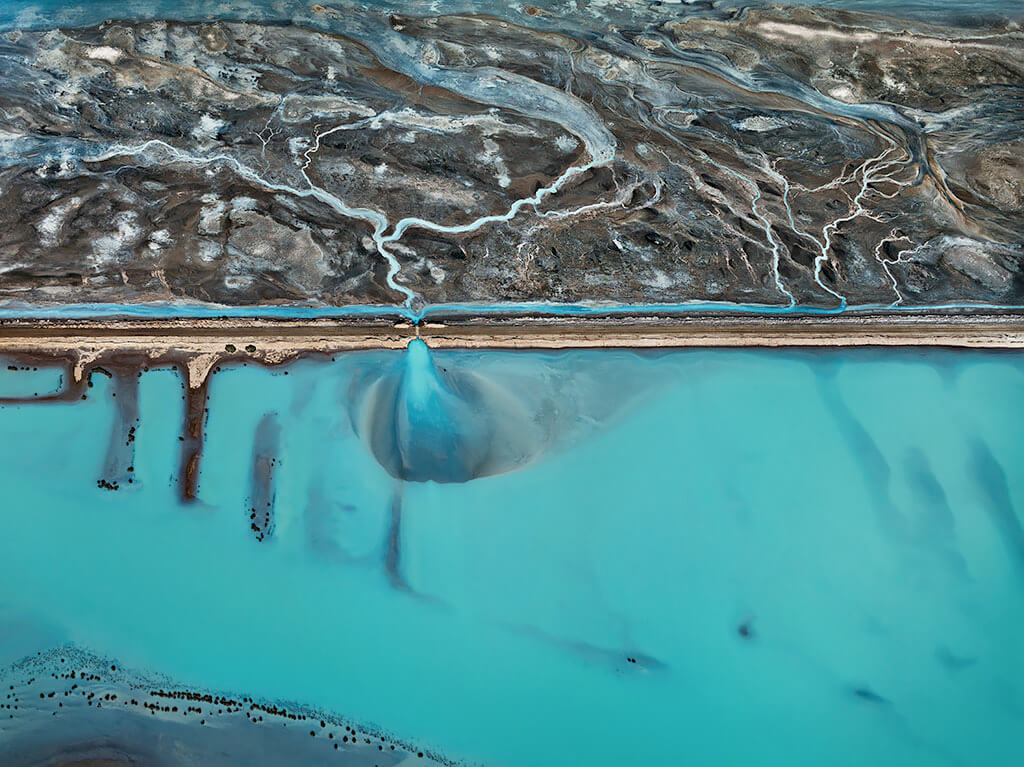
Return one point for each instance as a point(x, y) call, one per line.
point(200, 344)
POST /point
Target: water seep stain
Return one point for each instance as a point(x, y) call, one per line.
point(56, 701)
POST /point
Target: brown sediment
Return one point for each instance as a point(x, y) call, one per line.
point(192, 438)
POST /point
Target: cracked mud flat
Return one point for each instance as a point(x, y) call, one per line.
point(485, 153)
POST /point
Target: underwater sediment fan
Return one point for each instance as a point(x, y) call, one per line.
point(427, 423)
point(124, 367)
point(454, 416)
point(192, 438)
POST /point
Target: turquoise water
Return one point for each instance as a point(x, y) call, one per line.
point(703, 557)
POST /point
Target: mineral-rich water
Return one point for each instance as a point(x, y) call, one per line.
point(522, 558)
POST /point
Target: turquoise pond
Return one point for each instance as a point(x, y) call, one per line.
point(594, 558)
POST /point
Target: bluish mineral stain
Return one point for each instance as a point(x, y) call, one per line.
point(820, 552)
point(423, 424)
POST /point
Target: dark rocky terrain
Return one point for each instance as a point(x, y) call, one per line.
point(667, 153)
